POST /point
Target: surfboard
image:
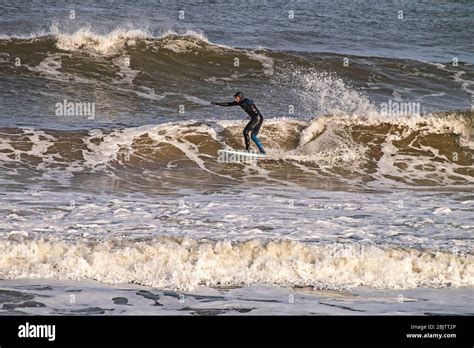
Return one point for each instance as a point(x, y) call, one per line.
point(240, 153)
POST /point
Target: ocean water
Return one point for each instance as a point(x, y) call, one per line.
point(113, 199)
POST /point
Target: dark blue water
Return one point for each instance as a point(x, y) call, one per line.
point(410, 51)
point(429, 30)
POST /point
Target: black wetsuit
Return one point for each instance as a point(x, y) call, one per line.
point(256, 120)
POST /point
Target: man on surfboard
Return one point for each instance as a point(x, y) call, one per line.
point(256, 119)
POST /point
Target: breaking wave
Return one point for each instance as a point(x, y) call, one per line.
point(185, 263)
point(433, 150)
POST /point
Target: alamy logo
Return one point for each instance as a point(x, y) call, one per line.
point(247, 158)
point(400, 109)
point(69, 108)
point(37, 331)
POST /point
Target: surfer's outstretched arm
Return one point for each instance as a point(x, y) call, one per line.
point(225, 103)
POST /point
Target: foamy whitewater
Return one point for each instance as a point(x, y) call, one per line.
point(113, 199)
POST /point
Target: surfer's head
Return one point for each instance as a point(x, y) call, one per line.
point(238, 97)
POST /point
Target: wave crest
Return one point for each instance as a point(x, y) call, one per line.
point(184, 263)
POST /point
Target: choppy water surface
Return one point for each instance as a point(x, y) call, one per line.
point(365, 195)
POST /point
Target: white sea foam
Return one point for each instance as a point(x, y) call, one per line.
point(267, 62)
point(87, 40)
point(326, 141)
point(186, 263)
point(50, 68)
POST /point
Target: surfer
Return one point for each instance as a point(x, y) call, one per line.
point(256, 119)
